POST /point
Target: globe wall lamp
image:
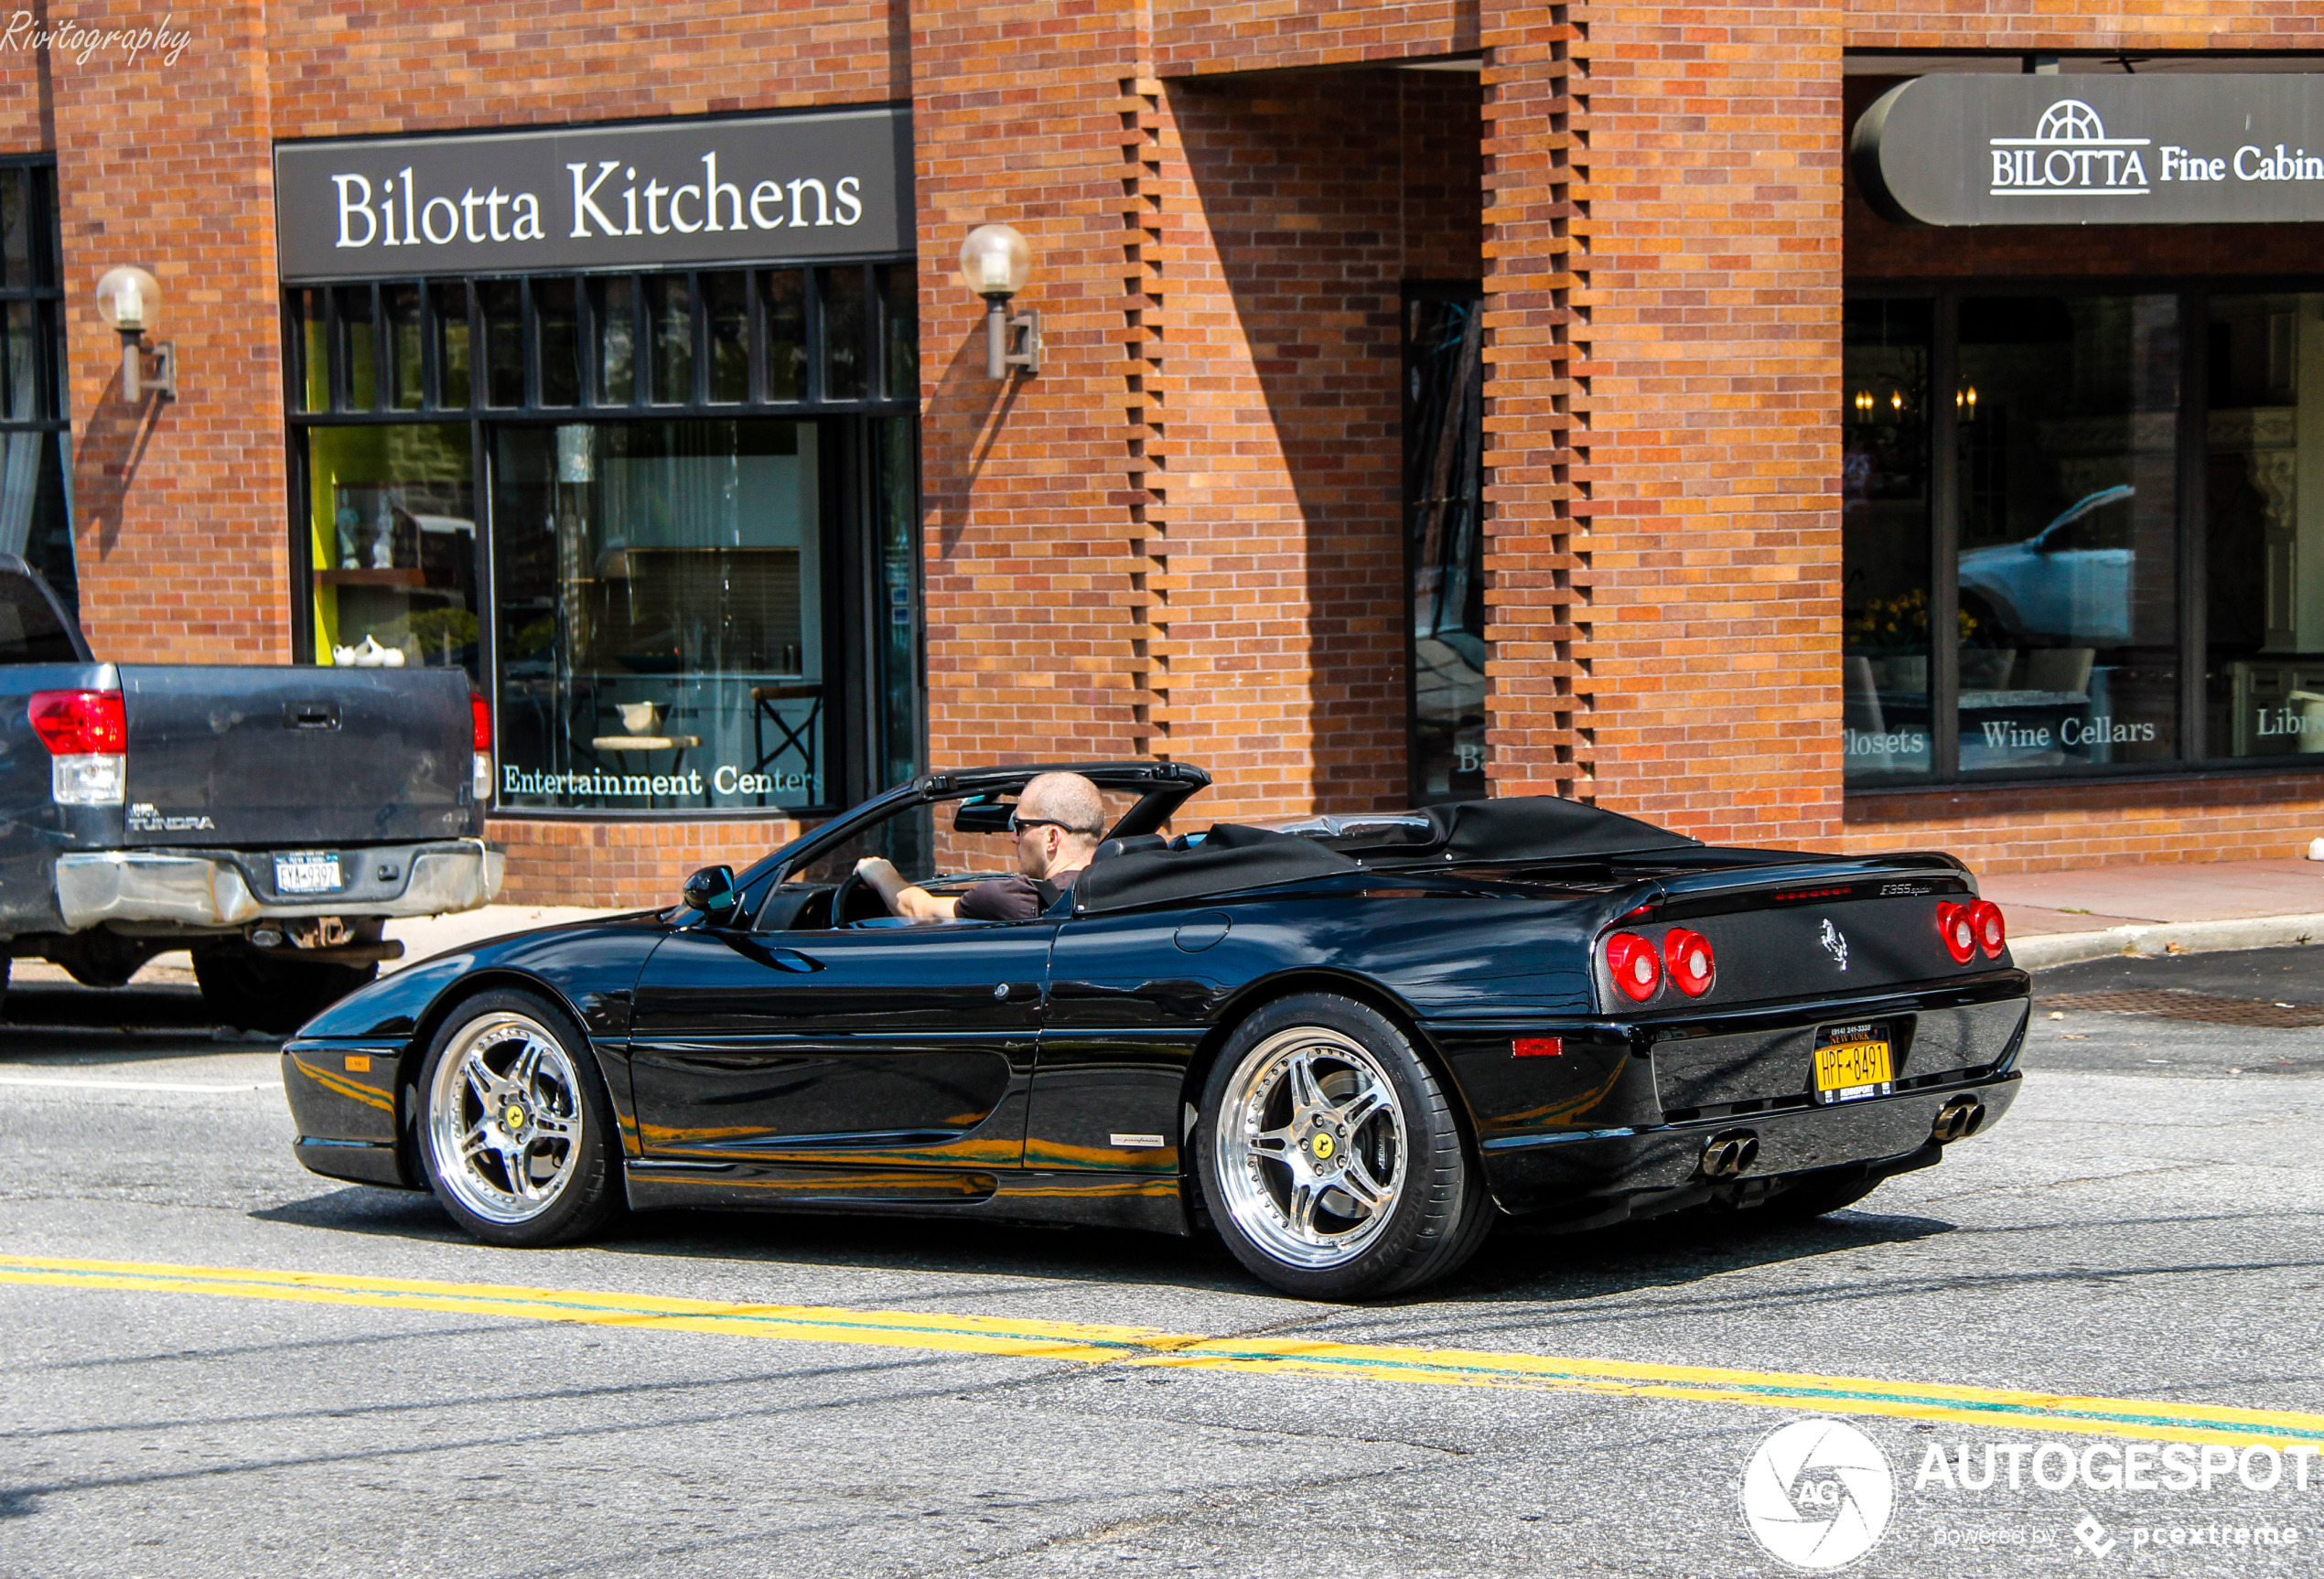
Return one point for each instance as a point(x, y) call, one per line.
point(996, 262)
point(129, 300)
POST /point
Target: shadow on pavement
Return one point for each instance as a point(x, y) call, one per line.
point(158, 1006)
point(1517, 1262)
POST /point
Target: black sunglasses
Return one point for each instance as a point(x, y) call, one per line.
point(1018, 825)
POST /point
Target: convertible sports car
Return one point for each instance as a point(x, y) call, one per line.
point(1348, 1044)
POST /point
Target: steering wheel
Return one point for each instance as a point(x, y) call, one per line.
point(849, 887)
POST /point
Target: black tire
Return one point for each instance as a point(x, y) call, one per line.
point(1258, 1185)
point(520, 1185)
point(247, 988)
point(1804, 1202)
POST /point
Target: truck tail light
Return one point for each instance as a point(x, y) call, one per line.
point(1688, 957)
point(1959, 932)
point(1992, 932)
point(1637, 971)
point(87, 734)
point(481, 732)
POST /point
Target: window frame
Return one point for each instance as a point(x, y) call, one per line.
point(2193, 299)
point(47, 296)
point(849, 726)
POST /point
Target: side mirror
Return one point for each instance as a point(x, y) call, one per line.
point(712, 892)
point(982, 817)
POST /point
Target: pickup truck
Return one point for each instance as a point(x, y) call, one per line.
point(270, 820)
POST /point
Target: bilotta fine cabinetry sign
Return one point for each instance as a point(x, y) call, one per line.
point(2044, 150)
point(762, 189)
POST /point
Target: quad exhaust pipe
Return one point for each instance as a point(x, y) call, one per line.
point(1729, 1154)
point(1958, 1119)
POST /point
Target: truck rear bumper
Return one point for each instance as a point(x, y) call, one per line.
point(199, 888)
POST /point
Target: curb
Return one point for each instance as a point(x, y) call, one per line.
point(2166, 936)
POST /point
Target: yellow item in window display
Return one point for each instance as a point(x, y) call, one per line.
point(1901, 621)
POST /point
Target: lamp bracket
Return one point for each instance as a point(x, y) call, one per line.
point(1024, 352)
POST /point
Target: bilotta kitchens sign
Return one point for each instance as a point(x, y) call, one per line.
point(2053, 150)
point(773, 186)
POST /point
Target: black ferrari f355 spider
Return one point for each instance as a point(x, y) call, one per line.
point(1348, 1044)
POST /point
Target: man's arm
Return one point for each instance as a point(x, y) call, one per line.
point(908, 900)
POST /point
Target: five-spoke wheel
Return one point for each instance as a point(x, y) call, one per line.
point(513, 1128)
point(1330, 1156)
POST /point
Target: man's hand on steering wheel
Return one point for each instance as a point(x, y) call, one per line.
point(849, 887)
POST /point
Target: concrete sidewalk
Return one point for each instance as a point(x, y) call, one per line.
point(2162, 907)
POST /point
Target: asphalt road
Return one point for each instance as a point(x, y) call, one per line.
point(2142, 1233)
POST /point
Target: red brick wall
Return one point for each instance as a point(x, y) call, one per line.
point(2048, 827)
point(27, 107)
point(1192, 37)
point(624, 863)
point(1715, 279)
point(182, 539)
point(1027, 485)
point(1301, 205)
point(343, 66)
point(1958, 25)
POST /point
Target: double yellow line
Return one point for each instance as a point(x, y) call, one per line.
point(1090, 1343)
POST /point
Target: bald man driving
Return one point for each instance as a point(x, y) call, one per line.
point(1059, 818)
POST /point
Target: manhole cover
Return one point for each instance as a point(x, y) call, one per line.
point(2177, 1003)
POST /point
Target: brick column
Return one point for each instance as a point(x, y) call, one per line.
point(1714, 142)
point(1032, 595)
point(182, 536)
point(1539, 499)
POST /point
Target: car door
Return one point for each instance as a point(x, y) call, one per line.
point(882, 1047)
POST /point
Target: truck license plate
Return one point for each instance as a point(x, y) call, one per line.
point(307, 874)
point(1852, 1062)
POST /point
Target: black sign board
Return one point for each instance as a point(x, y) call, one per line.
point(2052, 150)
point(774, 187)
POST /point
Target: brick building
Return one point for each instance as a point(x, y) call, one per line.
point(1433, 399)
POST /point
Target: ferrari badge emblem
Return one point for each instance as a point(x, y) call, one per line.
point(1322, 1146)
point(1835, 943)
point(514, 1117)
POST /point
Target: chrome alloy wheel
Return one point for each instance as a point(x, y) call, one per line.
point(1310, 1142)
point(504, 1118)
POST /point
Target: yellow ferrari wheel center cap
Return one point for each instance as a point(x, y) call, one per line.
point(1322, 1146)
point(514, 1117)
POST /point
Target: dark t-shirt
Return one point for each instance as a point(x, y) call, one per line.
point(1014, 898)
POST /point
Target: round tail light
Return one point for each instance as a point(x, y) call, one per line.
point(1992, 932)
point(1637, 971)
point(1687, 955)
point(1959, 931)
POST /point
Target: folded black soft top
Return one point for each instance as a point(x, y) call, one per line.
point(1233, 857)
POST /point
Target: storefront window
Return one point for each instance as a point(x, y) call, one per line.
point(1884, 522)
point(1443, 476)
point(393, 518)
point(36, 516)
point(2263, 486)
point(675, 524)
point(2012, 529)
point(2067, 566)
point(661, 614)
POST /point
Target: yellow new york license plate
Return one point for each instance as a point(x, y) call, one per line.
point(1848, 1070)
